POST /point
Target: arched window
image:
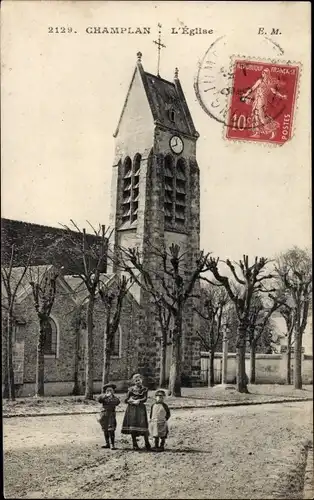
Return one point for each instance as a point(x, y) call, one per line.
point(116, 347)
point(130, 195)
point(171, 115)
point(51, 339)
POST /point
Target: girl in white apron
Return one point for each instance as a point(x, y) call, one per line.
point(159, 415)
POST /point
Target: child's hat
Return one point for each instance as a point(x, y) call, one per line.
point(109, 385)
point(160, 392)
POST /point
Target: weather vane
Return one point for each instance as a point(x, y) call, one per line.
point(159, 45)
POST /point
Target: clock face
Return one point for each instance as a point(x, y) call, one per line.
point(176, 144)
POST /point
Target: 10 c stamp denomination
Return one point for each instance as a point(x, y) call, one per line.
point(262, 102)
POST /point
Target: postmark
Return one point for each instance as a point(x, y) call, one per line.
point(261, 105)
point(213, 82)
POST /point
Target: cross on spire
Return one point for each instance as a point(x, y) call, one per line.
point(159, 46)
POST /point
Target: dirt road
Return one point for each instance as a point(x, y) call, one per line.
point(237, 452)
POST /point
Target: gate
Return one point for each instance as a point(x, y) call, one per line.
point(217, 373)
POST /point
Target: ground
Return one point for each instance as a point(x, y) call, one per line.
point(201, 397)
point(235, 452)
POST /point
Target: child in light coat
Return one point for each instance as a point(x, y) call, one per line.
point(159, 416)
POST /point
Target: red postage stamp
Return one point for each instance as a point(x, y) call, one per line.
point(262, 102)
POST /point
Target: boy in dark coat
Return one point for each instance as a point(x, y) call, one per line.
point(159, 416)
point(107, 418)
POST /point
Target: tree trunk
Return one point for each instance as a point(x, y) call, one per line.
point(241, 375)
point(9, 386)
point(253, 362)
point(40, 361)
point(76, 387)
point(175, 369)
point(106, 366)
point(211, 375)
point(6, 390)
point(89, 372)
point(224, 375)
point(289, 365)
point(288, 374)
point(81, 362)
point(176, 358)
point(162, 372)
point(298, 360)
point(10, 360)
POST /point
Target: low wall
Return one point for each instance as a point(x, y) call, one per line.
point(270, 368)
point(63, 388)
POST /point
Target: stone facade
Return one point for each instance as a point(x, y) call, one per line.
point(60, 367)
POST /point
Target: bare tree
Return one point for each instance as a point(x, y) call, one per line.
point(44, 292)
point(170, 286)
point(164, 319)
point(294, 271)
point(78, 321)
point(249, 282)
point(287, 313)
point(12, 279)
point(214, 312)
point(112, 299)
point(88, 257)
point(259, 322)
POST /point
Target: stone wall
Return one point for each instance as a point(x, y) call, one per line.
point(56, 369)
point(270, 368)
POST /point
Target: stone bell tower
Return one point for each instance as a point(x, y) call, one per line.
point(156, 196)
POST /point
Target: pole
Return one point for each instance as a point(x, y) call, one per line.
point(224, 357)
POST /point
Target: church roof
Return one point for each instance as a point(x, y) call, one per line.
point(164, 97)
point(44, 238)
point(22, 279)
point(79, 288)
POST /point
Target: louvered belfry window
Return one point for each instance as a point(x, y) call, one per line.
point(130, 195)
point(135, 187)
point(175, 192)
point(180, 192)
point(127, 185)
point(169, 189)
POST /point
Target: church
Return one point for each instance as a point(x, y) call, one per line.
point(155, 202)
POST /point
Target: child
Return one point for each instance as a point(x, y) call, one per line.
point(135, 420)
point(107, 418)
point(159, 415)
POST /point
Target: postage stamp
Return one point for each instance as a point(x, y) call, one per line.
point(262, 102)
point(213, 83)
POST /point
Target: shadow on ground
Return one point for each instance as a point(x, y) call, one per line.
point(167, 450)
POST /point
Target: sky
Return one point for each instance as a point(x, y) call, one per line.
point(62, 95)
